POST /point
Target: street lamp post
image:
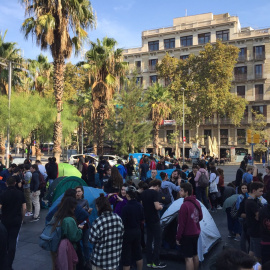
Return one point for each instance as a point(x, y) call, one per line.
point(184, 138)
point(9, 97)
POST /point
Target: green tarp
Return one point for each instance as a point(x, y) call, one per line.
point(65, 169)
point(68, 182)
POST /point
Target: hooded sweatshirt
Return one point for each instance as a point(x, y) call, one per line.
point(189, 217)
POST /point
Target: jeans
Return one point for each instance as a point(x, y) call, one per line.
point(233, 224)
point(201, 196)
point(35, 201)
point(85, 244)
point(153, 232)
point(12, 232)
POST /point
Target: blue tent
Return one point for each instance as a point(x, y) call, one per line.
point(168, 171)
point(90, 194)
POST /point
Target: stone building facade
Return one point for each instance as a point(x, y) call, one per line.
point(251, 75)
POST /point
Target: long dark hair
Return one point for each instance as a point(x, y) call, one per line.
point(103, 204)
point(214, 170)
point(65, 209)
point(117, 179)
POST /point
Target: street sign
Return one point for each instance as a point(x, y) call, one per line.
point(184, 139)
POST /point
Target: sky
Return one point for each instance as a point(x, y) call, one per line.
point(124, 20)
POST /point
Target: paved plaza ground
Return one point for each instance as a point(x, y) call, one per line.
point(30, 256)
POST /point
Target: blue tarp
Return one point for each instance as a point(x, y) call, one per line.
point(90, 194)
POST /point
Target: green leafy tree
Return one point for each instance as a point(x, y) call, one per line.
point(51, 23)
point(106, 69)
point(159, 102)
point(127, 125)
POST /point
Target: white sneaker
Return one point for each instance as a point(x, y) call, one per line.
point(219, 207)
point(28, 214)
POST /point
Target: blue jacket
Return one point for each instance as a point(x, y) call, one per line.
point(121, 170)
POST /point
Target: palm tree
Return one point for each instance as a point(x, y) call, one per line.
point(105, 72)
point(8, 52)
point(159, 101)
point(51, 22)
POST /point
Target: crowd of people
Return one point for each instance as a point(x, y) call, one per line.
point(129, 211)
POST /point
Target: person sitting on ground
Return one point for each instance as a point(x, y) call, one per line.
point(234, 259)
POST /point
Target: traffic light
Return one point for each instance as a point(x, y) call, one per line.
point(256, 138)
point(249, 139)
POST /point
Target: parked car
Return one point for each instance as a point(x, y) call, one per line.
point(112, 159)
point(74, 158)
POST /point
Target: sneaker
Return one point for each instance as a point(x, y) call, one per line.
point(27, 214)
point(231, 235)
point(159, 266)
point(35, 219)
point(237, 238)
point(219, 207)
point(30, 213)
point(149, 265)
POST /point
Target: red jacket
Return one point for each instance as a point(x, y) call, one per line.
point(189, 217)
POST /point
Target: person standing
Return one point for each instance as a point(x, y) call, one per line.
point(52, 169)
point(201, 191)
point(248, 176)
point(13, 206)
point(133, 217)
point(4, 175)
point(266, 180)
point(35, 191)
point(26, 190)
point(188, 229)
point(239, 173)
point(121, 169)
point(263, 160)
point(191, 177)
point(150, 201)
point(144, 168)
point(252, 207)
point(106, 234)
point(91, 173)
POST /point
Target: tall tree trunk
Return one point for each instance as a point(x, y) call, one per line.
point(218, 142)
point(59, 68)
point(100, 114)
point(155, 139)
point(2, 146)
point(38, 151)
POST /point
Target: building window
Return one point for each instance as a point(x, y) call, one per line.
point(138, 65)
point(153, 79)
point(139, 80)
point(241, 136)
point(169, 43)
point(224, 136)
point(153, 64)
point(260, 110)
point(204, 38)
point(242, 56)
point(258, 91)
point(207, 132)
point(223, 35)
point(167, 81)
point(258, 71)
point(153, 45)
point(259, 52)
point(184, 57)
point(169, 136)
point(240, 73)
point(186, 41)
point(241, 91)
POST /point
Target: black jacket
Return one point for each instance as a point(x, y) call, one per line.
point(34, 185)
point(52, 170)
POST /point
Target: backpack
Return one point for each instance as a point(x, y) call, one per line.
point(49, 240)
point(42, 182)
point(203, 180)
point(234, 211)
point(165, 196)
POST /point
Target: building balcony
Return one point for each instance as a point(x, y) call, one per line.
point(152, 68)
point(258, 76)
point(242, 58)
point(240, 77)
point(259, 57)
point(258, 97)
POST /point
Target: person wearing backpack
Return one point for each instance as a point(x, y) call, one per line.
point(35, 191)
point(165, 184)
point(202, 180)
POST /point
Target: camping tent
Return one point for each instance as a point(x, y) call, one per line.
point(65, 169)
point(90, 194)
point(66, 183)
point(209, 231)
point(52, 188)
